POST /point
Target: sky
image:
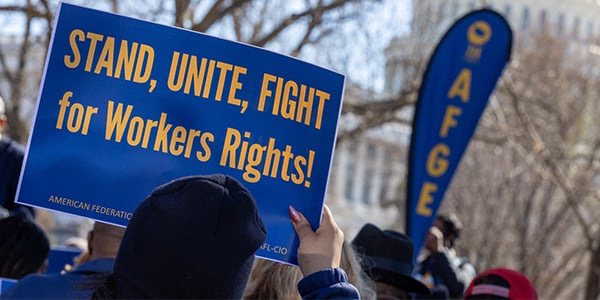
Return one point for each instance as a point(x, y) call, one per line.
point(365, 63)
point(391, 20)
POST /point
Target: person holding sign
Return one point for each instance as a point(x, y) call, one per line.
point(195, 237)
point(319, 257)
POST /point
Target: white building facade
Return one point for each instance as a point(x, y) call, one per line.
point(367, 174)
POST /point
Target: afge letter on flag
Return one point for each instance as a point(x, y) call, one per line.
point(457, 84)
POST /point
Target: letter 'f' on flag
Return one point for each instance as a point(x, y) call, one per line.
point(461, 75)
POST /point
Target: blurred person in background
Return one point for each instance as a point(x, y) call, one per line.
point(501, 283)
point(351, 263)
point(388, 260)
point(24, 247)
point(103, 244)
point(439, 267)
point(11, 159)
point(81, 244)
point(272, 280)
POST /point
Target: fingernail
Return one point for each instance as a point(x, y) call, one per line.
point(294, 214)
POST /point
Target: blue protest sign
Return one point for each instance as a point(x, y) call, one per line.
point(5, 283)
point(127, 105)
point(457, 84)
point(59, 257)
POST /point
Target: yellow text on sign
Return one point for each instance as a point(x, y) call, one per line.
point(293, 101)
point(131, 60)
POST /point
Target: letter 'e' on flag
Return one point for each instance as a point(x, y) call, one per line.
point(461, 74)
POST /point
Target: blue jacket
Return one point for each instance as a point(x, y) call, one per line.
point(71, 285)
point(327, 284)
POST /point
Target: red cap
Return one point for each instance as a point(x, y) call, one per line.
point(520, 286)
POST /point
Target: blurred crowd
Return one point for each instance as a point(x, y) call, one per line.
point(178, 245)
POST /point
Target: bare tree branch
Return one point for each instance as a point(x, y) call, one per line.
point(539, 148)
point(28, 10)
point(181, 7)
point(316, 12)
point(217, 12)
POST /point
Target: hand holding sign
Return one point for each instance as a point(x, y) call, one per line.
point(321, 249)
point(103, 139)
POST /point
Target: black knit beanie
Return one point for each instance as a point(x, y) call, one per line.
point(194, 237)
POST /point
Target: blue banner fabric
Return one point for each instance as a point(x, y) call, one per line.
point(461, 75)
point(127, 105)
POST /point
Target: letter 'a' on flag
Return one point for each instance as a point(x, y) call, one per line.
point(461, 75)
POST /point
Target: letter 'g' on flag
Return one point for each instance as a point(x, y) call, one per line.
point(461, 75)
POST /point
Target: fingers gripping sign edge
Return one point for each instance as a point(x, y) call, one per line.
point(301, 224)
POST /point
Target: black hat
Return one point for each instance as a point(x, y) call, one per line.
point(388, 258)
point(452, 224)
point(194, 237)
